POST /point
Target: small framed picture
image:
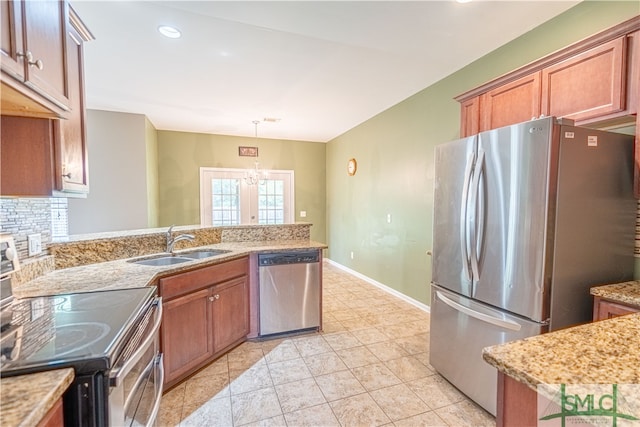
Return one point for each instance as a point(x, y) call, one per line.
point(248, 151)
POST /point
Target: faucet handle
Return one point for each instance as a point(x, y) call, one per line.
point(170, 230)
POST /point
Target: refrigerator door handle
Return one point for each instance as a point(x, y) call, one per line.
point(464, 229)
point(503, 323)
point(477, 204)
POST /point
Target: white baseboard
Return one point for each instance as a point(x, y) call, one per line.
point(416, 303)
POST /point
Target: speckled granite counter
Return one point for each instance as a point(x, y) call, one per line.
point(603, 352)
point(625, 293)
point(26, 399)
point(123, 274)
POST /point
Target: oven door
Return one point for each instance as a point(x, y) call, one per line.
point(136, 381)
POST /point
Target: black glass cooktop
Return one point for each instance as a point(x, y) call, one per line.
point(85, 331)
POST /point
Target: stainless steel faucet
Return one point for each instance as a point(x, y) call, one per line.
point(171, 241)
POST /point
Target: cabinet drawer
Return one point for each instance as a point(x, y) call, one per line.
point(180, 284)
point(604, 309)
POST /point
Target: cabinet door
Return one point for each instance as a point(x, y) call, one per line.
point(45, 32)
point(230, 309)
point(470, 117)
point(70, 144)
point(11, 42)
point(185, 334)
point(588, 85)
point(607, 309)
point(511, 103)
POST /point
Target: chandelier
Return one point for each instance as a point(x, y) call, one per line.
point(254, 176)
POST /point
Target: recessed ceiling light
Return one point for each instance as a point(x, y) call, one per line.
point(169, 31)
point(464, 1)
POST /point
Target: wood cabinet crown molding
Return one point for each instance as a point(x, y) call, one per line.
point(560, 55)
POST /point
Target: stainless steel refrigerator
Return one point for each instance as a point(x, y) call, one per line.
point(526, 219)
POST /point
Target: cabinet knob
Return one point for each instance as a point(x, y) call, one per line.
point(29, 57)
point(215, 297)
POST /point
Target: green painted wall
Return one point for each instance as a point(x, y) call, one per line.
point(181, 154)
point(394, 151)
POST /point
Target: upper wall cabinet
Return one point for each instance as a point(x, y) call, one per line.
point(588, 85)
point(593, 81)
point(34, 58)
point(43, 156)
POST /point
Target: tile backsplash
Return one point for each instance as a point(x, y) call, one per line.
point(21, 217)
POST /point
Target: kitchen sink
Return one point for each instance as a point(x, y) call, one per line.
point(202, 253)
point(162, 260)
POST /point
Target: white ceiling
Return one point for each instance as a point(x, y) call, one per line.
point(321, 67)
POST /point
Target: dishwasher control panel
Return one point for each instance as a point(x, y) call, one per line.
point(301, 257)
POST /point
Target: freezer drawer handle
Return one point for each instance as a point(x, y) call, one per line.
point(507, 324)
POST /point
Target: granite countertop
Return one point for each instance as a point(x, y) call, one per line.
point(122, 274)
point(625, 292)
point(604, 352)
point(26, 399)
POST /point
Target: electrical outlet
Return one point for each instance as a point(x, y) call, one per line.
point(35, 244)
point(303, 214)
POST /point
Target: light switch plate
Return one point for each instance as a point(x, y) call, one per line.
point(35, 244)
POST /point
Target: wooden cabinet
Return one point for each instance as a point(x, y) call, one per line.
point(514, 102)
point(54, 417)
point(470, 117)
point(206, 313)
point(45, 157)
point(605, 309)
point(34, 58)
point(588, 85)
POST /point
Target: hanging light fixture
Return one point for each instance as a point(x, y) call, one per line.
point(253, 176)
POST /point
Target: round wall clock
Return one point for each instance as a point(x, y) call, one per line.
point(352, 167)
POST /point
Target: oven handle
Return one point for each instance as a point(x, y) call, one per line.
point(116, 375)
point(156, 406)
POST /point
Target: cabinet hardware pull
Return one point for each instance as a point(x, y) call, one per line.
point(29, 56)
point(67, 175)
point(215, 297)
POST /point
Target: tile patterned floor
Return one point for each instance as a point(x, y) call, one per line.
point(369, 367)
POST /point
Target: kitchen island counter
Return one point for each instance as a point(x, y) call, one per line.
point(624, 293)
point(605, 352)
point(122, 274)
point(26, 399)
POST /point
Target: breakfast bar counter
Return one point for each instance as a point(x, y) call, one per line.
point(27, 399)
point(604, 352)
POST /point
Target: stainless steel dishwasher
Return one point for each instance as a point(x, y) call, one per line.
point(289, 291)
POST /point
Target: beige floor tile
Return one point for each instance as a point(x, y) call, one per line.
point(341, 340)
point(359, 410)
point(325, 363)
point(298, 395)
point(329, 327)
point(174, 398)
point(202, 389)
point(357, 356)
point(277, 421)
point(169, 416)
point(255, 406)
point(339, 385)
point(375, 376)
point(217, 367)
point(426, 419)
point(215, 412)
point(435, 391)
point(254, 378)
point(289, 370)
point(370, 336)
point(408, 368)
point(309, 346)
point(344, 315)
point(387, 350)
point(316, 416)
point(285, 350)
point(414, 344)
point(244, 359)
point(424, 358)
point(466, 413)
point(399, 402)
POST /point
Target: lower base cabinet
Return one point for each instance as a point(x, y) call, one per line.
point(604, 309)
point(206, 313)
